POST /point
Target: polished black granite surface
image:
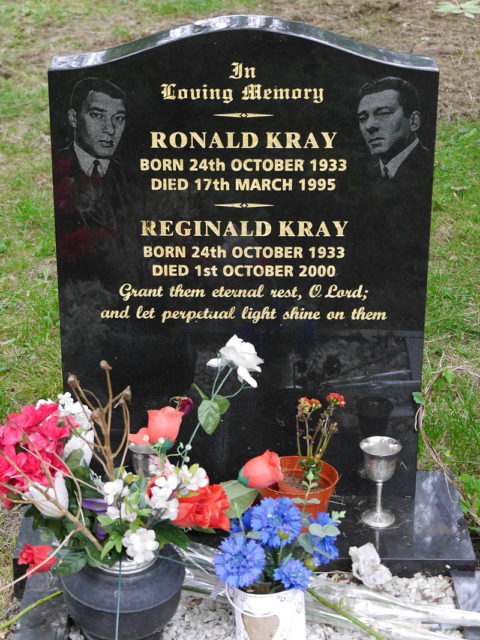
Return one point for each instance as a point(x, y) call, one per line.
point(237, 185)
point(47, 621)
point(429, 535)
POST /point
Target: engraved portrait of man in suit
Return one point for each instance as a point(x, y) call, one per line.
point(389, 118)
point(90, 183)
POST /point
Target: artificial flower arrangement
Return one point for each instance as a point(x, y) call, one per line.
point(315, 438)
point(45, 455)
point(267, 552)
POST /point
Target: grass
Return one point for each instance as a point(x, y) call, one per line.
point(30, 33)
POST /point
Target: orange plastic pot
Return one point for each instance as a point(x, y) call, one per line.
point(328, 481)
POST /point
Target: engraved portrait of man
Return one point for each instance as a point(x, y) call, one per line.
point(90, 184)
point(389, 118)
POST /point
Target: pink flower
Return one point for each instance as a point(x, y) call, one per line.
point(34, 556)
point(32, 416)
point(10, 434)
point(261, 471)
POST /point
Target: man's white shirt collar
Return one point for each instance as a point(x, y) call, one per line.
point(393, 165)
point(86, 161)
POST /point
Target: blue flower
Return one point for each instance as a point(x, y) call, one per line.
point(325, 548)
point(293, 574)
point(240, 561)
point(236, 527)
point(277, 520)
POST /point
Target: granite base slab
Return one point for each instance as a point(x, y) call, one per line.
point(49, 620)
point(429, 534)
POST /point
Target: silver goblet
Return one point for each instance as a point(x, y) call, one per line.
point(380, 455)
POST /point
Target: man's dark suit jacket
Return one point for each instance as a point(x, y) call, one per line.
point(83, 200)
point(414, 175)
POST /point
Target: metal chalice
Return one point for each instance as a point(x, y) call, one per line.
point(380, 456)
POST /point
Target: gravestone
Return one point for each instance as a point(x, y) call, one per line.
point(228, 177)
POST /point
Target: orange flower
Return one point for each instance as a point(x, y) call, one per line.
point(162, 423)
point(261, 471)
point(204, 509)
point(336, 399)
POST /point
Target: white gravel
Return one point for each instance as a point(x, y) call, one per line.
point(200, 618)
point(204, 619)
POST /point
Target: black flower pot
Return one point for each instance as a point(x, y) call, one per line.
point(149, 597)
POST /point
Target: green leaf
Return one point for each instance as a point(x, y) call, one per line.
point(74, 460)
point(305, 541)
point(206, 530)
point(323, 530)
point(338, 516)
point(172, 535)
point(223, 404)
point(255, 535)
point(240, 496)
point(419, 397)
point(209, 416)
point(93, 556)
point(202, 395)
point(109, 545)
point(83, 473)
point(71, 563)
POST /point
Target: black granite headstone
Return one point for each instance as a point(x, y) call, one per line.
point(253, 176)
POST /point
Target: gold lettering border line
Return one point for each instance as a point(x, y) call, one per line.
point(244, 205)
point(244, 115)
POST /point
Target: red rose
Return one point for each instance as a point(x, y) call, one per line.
point(261, 471)
point(204, 509)
point(34, 556)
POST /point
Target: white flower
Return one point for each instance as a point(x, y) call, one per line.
point(159, 497)
point(79, 412)
point(78, 442)
point(240, 354)
point(65, 398)
point(58, 492)
point(140, 544)
point(112, 489)
point(192, 481)
point(126, 512)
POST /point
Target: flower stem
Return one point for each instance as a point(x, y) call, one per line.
point(213, 394)
point(342, 612)
point(16, 617)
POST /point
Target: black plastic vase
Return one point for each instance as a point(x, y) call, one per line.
point(149, 597)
